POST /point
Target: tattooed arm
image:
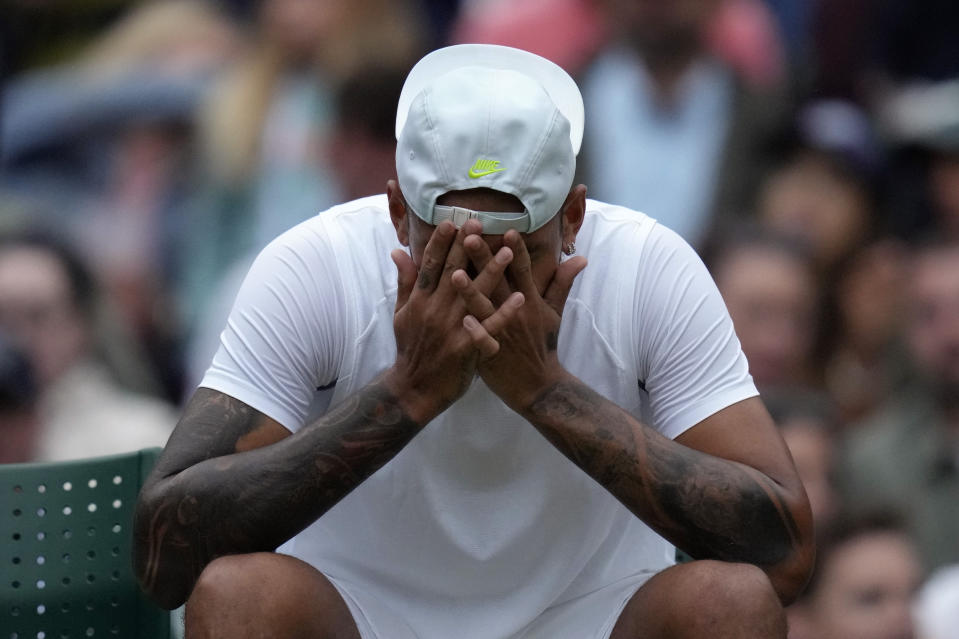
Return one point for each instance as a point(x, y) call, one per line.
point(725, 489)
point(231, 481)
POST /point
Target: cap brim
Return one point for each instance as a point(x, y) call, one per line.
point(559, 85)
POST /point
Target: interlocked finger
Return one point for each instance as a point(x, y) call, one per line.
point(489, 268)
point(496, 322)
point(482, 334)
point(482, 340)
point(456, 257)
point(434, 256)
point(520, 269)
point(477, 304)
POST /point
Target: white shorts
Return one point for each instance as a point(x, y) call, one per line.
point(590, 616)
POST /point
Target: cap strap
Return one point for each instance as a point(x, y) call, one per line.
point(493, 223)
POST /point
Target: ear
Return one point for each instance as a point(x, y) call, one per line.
point(398, 212)
point(574, 212)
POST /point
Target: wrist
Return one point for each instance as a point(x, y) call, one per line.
point(525, 397)
point(419, 405)
point(557, 403)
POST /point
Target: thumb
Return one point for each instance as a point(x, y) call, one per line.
point(559, 287)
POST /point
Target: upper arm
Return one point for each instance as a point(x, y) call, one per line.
point(285, 334)
point(745, 433)
point(278, 346)
point(689, 358)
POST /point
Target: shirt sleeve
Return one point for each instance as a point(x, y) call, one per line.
point(280, 342)
point(688, 349)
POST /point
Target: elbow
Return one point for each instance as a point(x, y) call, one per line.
point(164, 594)
point(161, 574)
point(164, 590)
point(789, 577)
point(790, 574)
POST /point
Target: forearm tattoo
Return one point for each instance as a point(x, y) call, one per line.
point(226, 501)
point(712, 508)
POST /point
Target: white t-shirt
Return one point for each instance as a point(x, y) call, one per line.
point(480, 527)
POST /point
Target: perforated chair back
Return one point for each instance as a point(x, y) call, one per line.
point(66, 543)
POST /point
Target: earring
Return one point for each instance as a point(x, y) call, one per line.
point(570, 248)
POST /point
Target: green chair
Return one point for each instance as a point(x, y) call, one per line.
point(66, 540)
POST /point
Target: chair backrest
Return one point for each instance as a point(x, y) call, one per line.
point(65, 547)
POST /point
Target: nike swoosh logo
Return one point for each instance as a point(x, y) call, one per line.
point(484, 167)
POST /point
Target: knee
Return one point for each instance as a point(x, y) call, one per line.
point(265, 594)
point(232, 593)
point(737, 594)
point(729, 583)
point(230, 578)
point(232, 575)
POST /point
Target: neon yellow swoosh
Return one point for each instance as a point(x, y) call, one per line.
point(473, 173)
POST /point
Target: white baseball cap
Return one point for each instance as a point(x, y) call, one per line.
point(480, 115)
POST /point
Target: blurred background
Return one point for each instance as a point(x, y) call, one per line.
point(809, 149)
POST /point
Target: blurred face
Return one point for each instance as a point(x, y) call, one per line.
point(300, 27)
point(811, 448)
point(867, 590)
point(37, 310)
point(933, 316)
point(807, 199)
point(661, 29)
point(361, 161)
point(771, 297)
point(870, 296)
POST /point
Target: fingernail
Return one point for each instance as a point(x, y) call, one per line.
point(504, 255)
point(470, 322)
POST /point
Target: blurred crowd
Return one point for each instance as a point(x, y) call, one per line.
point(808, 149)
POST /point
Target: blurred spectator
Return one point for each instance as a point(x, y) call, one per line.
point(907, 454)
point(823, 193)
point(568, 32)
point(794, 19)
point(100, 149)
point(34, 34)
point(807, 421)
point(19, 420)
point(916, 39)
point(362, 147)
point(863, 49)
point(864, 583)
point(439, 16)
point(48, 302)
point(265, 129)
point(921, 123)
point(937, 608)
point(363, 144)
point(944, 187)
point(744, 34)
point(860, 346)
point(820, 188)
point(813, 197)
point(845, 43)
point(768, 284)
point(672, 131)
